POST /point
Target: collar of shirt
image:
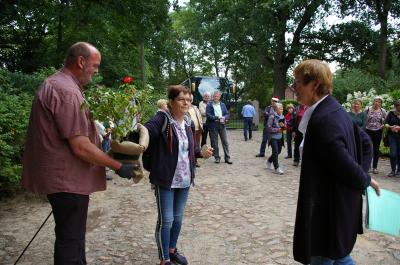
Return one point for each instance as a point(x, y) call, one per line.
point(68, 72)
point(307, 115)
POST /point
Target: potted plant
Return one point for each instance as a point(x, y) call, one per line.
point(123, 108)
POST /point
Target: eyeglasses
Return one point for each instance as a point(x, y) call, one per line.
point(296, 83)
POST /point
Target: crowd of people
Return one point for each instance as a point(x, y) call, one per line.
point(64, 160)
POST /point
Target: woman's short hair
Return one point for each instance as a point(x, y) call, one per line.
point(278, 105)
point(358, 100)
point(379, 98)
point(290, 105)
point(161, 102)
point(174, 91)
point(217, 92)
point(316, 70)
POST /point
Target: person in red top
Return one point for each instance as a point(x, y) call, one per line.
point(289, 118)
point(298, 137)
point(63, 157)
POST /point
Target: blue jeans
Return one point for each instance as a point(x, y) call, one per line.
point(247, 122)
point(276, 145)
point(171, 206)
point(264, 142)
point(317, 260)
point(106, 145)
point(394, 144)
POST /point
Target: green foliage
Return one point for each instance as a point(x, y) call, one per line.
point(285, 102)
point(367, 99)
point(14, 116)
point(347, 81)
point(120, 105)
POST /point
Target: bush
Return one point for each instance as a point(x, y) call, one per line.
point(14, 116)
point(367, 98)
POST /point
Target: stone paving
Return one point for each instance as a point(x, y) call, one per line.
point(236, 214)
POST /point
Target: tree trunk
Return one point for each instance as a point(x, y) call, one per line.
point(382, 50)
point(383, 11)
point(280, 70)
point(142, 63)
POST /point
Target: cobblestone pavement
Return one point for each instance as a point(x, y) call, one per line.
point(236, 214)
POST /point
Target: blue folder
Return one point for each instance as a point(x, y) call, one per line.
point(383, 212)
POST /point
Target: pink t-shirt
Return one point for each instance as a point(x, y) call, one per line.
point(49, 166)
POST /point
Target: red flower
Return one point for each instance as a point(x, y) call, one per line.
point(127, 79)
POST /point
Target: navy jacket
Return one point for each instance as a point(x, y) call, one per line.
point(164, 147)
point(336, 158)
point(211, 118)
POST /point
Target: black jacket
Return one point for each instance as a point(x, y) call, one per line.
point(336, 158)
point(164, 149)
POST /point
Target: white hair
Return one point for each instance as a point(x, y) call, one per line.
point(278, 105)
point(207, 93)
point(217, 92)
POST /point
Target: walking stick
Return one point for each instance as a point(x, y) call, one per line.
point(33, 237)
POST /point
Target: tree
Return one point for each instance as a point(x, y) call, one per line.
point(375, 12)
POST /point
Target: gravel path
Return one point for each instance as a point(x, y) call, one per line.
point(236, 214)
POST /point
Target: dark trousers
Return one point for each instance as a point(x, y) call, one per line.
point(204, 134)
point(297, 142)
point(376, 137)
point(70, 214)
point(247, 122)
point(276, 146)
point(264, 140)
point(394, 143)
point(220, 130)
point(289, 143)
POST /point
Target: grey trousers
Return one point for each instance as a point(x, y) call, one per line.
point(221, 130)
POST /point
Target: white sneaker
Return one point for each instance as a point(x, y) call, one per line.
point(270, 165)
point(278, 171)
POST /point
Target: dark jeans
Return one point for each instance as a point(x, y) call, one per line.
point(297, 142)
point(264, 142)
point(317, 260)
point(289, 143)
point(276, 146)
point(247, 122)
point(220, 130)
point(171, 206)
point(106, 145)
point(70, 214)
point(204, 134)
point(394, 144)
point(376, 137)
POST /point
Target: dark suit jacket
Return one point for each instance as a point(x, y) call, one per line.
point(336, 158)
point(211, 118)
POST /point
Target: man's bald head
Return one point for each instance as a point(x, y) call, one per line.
point(83, 61)
point(83, 49)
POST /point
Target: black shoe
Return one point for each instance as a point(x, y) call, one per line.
point(260, 155)
point(228, 162)
point(197, 164)
point(178, 258)
point(217, 160)
point(287, 157)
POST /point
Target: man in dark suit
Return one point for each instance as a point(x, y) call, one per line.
point(336, 156)
point(217, 114)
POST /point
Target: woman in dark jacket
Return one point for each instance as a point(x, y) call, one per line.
point(173, 151)
point(393, 121)
point(335, 161)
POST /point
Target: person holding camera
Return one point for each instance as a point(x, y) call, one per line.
point(276, 125)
